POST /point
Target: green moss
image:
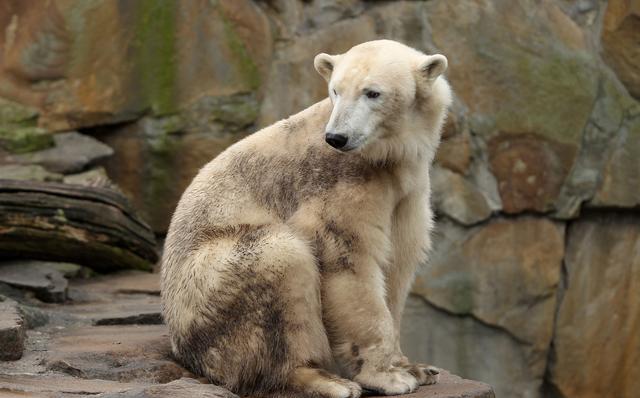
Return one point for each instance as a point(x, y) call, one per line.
point(236, 111)
point(551, 95)
point(244, 62)
point(156, 51)
point(12, 113)
point(17, 139)
point(163, 146)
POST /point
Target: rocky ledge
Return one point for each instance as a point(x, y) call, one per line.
point(107, 340)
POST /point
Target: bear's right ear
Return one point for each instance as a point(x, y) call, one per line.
point(433, 66)
point(324, 64)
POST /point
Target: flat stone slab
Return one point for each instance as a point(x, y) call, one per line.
point(72, 356)
point(452, 386)
point(123, 353)
point(48, 284)
point(185, 387)
point(125, 282)
point(12, 331)
point(71, 154)
point(56, 385)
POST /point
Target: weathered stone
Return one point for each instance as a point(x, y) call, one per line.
point(46, 282)
point(467, 347)
point(504, 273)
point(533, 64)
point(530, 170)
point(57, 385)
point(620, 38)
point(184, 387)
point(70, 270)
point(91, 178)
point(31, 172)
point(452, 386)
point(457, 198)
point(138, 353)
point(125, 282)
point(529, 76)
point(620, 182)
point(15, 114)
point(72, 153)
point(596, 345)
point(603, 139)
point(84, 64)
point(12, 331)
point(455, 153)
point(24, 139)
point(293, 18)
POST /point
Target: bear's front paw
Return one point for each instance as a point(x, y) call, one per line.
point(395, 381)
point(425, 374)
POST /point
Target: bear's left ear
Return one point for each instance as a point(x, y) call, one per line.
point(433, 66)
point(324, 64)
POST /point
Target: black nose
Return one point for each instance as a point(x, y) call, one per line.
point(336, 140)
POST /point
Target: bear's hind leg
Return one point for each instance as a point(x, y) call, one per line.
point(263, 327)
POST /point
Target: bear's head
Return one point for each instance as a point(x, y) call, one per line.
point(389, 100)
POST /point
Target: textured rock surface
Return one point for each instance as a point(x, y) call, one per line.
point(457, 198)
point(31, 172)
point(620, 37)
point(71, 153)
point(480, 351)
point(599, 313)
point(71, 355)
point(12, 330)
point(48, 284)
point(184, 387)
point(503, 274)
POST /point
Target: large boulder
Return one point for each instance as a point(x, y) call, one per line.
point(83, 64)
point(529, 82)
point(596, 346)
point(620, 38)
point(504, 273)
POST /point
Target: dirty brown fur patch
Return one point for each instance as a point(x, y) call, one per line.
point(342, 241)
point(247, 305)
point(297, 179)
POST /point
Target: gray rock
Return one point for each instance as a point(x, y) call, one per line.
point(469, 348)
point(620, 182)
point(72, 153)
point(504, 273)
point(457, 198)
point(12, 331)
point(41, 277)
point(607, 165)
point(184, 387)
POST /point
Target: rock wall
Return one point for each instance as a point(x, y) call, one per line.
point(533, 283)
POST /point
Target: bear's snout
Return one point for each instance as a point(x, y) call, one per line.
point(336, 140)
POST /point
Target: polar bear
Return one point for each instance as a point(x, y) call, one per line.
point(290, 256)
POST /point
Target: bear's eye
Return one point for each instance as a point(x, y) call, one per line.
point(372, 94)
point(334, 92)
